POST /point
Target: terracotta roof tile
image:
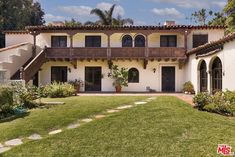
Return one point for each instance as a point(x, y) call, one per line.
point(15, 32)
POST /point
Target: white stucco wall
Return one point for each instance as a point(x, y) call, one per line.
point(14, 39)
point(227, 57)
point(147, 78)
point(213, 35)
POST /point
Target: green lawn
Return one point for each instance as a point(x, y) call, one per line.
point(164, 127)
point(43, 120)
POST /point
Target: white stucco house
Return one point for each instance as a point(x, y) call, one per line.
point(164, 57)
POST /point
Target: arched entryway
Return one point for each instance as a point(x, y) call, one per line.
point(203, 76)
point(216, 75)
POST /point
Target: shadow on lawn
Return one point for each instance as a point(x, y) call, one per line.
point(13, 117)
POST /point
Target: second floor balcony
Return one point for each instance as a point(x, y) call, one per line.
point(116, 53)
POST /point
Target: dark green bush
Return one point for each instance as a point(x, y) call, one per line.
point(59, 90)
point(202, 99)
point(221, 102)
point(188, 88)
point(6, 102)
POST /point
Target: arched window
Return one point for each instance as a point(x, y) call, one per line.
point(216, 75)
point(203, 77)
point(127, 41)
point(133, 75)
point(139, 41)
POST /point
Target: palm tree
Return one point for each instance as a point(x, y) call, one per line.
point(119, 21)
point(106, 18)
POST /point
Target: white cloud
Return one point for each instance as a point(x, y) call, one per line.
point(50, 18)
point(76, 10)
point(167, 12)
point(193, 3)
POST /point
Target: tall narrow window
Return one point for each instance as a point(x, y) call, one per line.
point(199, 39)
point(127, 41)
point(203, 77)
point(58, 41)
point(59, 74)
point(168, 41)
point(93, 41)
point(139, 41)
point(133, 75)
point(216, 75)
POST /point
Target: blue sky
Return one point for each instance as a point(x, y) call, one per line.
point(144, 12)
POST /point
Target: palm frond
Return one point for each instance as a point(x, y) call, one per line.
point(101, 15)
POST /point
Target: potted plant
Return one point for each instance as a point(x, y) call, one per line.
point(120, 77)
point(77, 83)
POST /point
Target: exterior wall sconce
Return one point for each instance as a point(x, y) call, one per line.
point(109, 74)
point(69, 69)
point(154, 70)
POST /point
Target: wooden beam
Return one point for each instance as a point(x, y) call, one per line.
point(145, 63)
point(110, 64)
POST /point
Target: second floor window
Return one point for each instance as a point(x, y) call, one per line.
point(199, 39)
point(139, 41)
point(59, 41)
point(127, 41)
point(93, 41)
point(168, 41)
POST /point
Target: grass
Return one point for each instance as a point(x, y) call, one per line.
point(164, 127)
point(43, 120)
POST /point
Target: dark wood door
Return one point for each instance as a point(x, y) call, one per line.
point(168, 79)
point(93, 79)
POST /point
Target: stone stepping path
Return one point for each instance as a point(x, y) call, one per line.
point(87, 120)
point(125, 107)
point(35, 137)
point(99, 116)
point(55, 132)
point(15, 142)
point(112, 111)
point(73, 126)
point(4, 149)
point(141, 103)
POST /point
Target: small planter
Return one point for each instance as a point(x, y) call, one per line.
point(118, 89)
point(77, 88)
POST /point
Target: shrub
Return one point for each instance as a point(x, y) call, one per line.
point(6, 102)
point(201, 99)
point(188, 88)
point(59, 90)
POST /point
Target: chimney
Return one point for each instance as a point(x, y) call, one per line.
point(169, 23)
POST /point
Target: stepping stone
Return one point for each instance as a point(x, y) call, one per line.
point(87, 120)
point(152, 98)
point(4, 149)
point(55, 132)
point(99, 116)
point(35, 137)
point(112, 111)
point(14, 142)
point(1, 145)
point(140, 103)
point(73, 126)
point(124, 107)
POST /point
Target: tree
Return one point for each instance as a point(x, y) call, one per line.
point(119, 21)
point(72, 23)
point(106, 18)
point(230, 10)
point(16, 14)
point(218, 20)
point(200, 16)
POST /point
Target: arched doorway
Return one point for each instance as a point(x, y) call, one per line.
point(216, 75)
point(203, 76)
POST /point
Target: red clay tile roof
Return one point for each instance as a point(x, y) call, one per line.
point(209, 45)
point(15, 32)
point(35, 28)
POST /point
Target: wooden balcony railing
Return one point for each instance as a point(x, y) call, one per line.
point(114, 53)
point(166, 52)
